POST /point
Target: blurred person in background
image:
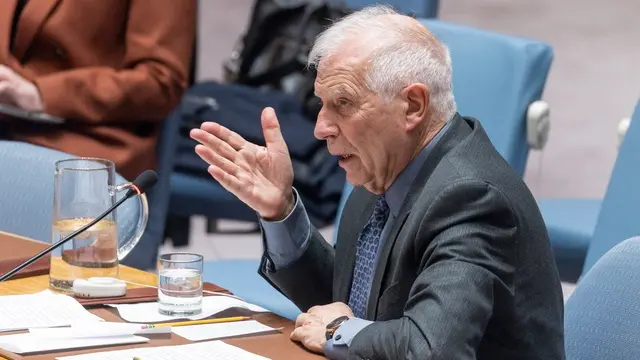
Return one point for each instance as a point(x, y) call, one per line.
point(112, 69)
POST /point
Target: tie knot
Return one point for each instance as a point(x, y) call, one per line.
point(381, 208)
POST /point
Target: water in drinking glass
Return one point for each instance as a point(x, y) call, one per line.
point(180, 292)
point(90, 254)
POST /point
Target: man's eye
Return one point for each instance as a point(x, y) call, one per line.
point(343, 103)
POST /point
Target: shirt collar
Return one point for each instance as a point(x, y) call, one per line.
point(399, 189)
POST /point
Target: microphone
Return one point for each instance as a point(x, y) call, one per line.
point(141, 184)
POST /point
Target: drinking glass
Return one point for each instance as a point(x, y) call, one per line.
point(180, 284)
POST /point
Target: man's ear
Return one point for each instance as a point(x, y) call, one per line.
point(417, 98)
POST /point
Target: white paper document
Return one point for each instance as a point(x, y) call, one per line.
point(148, 312)
point(43, 309)
point(102, 329)
point(221, 330)
point(204, 350)
point(29, 343)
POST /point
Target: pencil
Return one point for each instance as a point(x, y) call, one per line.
point(199, 322)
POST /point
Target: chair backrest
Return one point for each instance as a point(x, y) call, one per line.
point(618, 218)
point(420, 8)
point(495, 78)
point(602, 315)
point(26, 191)
point(144, 255)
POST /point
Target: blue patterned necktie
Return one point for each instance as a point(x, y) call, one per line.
point(366, 250)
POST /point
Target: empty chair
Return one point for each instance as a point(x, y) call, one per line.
point(584, 229)
point(602, 316)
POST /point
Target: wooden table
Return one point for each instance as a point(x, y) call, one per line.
point(273, 346)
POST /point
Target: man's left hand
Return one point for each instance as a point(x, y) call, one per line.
point(16, 90)
point(311, 326)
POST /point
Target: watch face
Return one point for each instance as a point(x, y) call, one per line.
point(334, 325)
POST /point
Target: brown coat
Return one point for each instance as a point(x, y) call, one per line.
point(113, 68)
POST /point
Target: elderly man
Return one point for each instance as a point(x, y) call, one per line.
point(441, 250)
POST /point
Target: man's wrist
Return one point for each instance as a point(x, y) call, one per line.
point(286, 208)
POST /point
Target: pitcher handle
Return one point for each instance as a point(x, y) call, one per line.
point(143, 218)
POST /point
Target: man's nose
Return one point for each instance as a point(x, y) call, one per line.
point(325, 128)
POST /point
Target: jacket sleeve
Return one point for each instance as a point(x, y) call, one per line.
point(159, 41)
point(307, 281)
point(467, 255)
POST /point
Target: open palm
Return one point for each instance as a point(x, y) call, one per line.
point(260, 176)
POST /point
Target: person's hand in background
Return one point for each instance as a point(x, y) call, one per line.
point(260, 176)
point(16, 90)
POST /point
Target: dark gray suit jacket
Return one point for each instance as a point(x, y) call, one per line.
point(466, 273)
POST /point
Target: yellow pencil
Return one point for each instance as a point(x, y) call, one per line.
point(199, 322)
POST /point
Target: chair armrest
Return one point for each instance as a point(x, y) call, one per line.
point(538, 124)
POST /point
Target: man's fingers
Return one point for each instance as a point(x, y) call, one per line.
point(299, 334)
point(213, 158)
point(213, 142)
point(236, 141)
point(302, 319)
point(271, 131)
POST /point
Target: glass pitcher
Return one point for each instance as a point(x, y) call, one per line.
point(83, 189)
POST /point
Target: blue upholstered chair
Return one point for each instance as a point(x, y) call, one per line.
point(496, 79)
point(144, 255)
point(573, 223)
point(602, 316)
point(26, 192)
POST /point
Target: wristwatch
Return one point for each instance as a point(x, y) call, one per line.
point(333, 326)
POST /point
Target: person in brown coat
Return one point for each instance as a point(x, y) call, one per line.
point(112, 69)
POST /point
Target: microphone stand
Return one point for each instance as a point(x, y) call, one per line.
point(57, 244)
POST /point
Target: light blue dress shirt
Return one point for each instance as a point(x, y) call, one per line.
point(287, 240)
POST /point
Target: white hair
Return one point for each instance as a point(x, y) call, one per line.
point(401, 55)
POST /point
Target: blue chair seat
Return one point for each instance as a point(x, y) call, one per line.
point(570, 223)
point(242, 279)
point(186, 188)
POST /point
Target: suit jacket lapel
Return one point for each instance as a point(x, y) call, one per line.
point(35, 13)
point(7, 9)
point(346, 244)
point(458, 130)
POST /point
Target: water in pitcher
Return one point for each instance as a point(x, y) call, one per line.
point(91, 253)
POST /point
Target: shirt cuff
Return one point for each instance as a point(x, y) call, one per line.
point(337, 348)
point(287, 239)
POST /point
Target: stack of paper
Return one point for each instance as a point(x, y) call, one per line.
point(43, 309)
point(205, 350)
point(148, 312)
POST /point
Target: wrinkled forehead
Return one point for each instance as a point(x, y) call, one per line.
point(341, 73)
